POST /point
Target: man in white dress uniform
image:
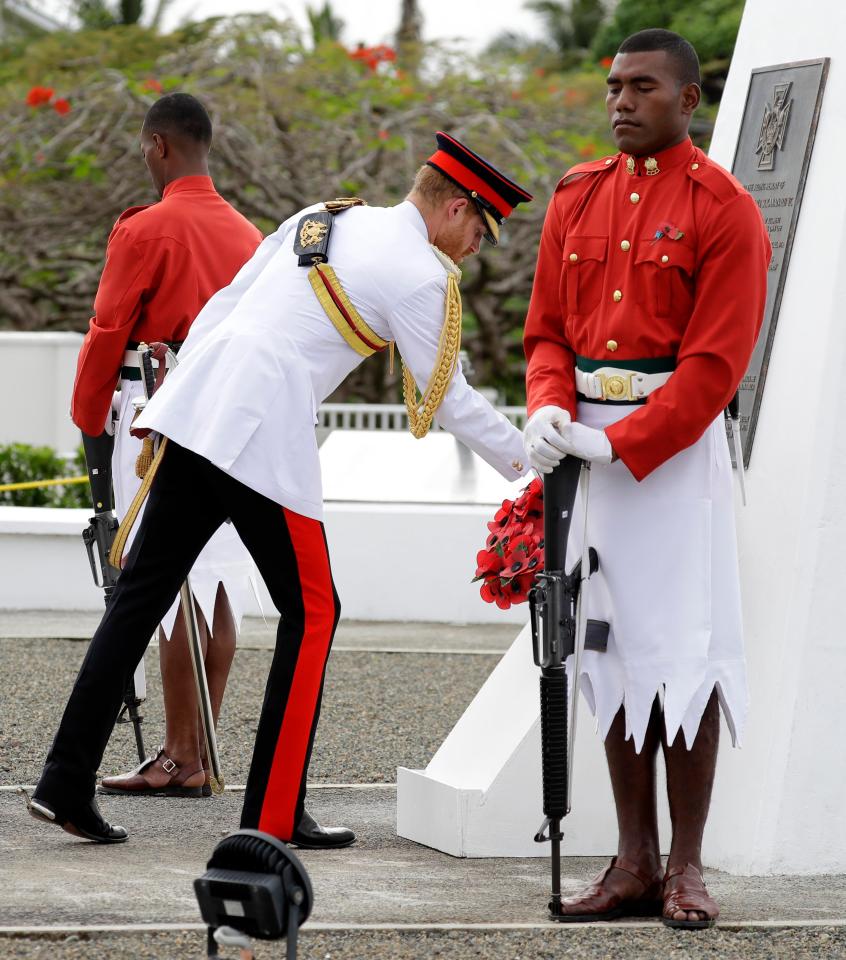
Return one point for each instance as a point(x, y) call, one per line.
point(647, 302)
point(239, 415)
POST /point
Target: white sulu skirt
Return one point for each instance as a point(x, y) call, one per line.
point(668, 585)
point(223, 560)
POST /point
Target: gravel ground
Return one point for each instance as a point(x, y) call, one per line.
point(380, 710)
point(80, 624)
point(553, 944)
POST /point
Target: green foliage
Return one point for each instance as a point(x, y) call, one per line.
point(130, 11)
point(710, 25)
point(569, 25)
point(22, 463)
point(293, 124)
point(568, 28)
point(94, 14)
point(324, 24)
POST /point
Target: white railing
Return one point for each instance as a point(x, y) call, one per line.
point(385, 416)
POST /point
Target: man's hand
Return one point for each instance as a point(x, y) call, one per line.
point(586, 443)
point(543, 439)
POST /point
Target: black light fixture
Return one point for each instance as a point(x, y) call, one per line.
point(255, 885)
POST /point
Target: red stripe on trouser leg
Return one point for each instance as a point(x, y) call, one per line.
point(286, 772)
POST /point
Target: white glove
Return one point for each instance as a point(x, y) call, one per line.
point(543, 440)
point(586, 443)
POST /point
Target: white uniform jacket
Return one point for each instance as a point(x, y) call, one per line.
point(262, 356)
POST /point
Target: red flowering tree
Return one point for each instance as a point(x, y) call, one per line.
point(294, 123)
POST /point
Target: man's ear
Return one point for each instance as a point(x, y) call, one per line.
point(691, 94)
point(456, 207)
point(161, 145)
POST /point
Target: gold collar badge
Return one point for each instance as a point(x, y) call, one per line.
point(651, 166)
point(630, 166)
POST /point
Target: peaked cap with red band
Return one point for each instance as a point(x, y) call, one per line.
point(493, 193)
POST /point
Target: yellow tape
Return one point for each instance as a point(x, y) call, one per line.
point(35, 484)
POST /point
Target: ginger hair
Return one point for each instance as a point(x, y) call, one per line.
point(434, 188)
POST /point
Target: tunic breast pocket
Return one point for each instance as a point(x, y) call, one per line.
point(664, 271)
point(583, 271)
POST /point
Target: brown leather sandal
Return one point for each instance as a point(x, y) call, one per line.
point(597, 903)
point(689, 894)
point(137, 785)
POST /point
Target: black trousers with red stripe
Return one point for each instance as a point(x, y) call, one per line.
point(188, 501)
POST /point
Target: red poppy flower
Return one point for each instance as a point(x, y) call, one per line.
point(38, 96)
point(497, 540)
point(62, 106)
point(488, 564)
point(519, 587)
point(490, 590)
point(383, 135)
point(606, 62)
point(152, 85)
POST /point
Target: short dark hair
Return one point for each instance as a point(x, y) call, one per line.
point(675, 46)
point(179, 113)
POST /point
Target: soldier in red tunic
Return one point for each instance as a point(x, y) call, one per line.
point(163, 262)
point(648, 298)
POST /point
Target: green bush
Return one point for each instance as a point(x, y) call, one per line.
point(22, 463)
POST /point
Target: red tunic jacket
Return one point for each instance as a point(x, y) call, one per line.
point(634, 266)
point(163, 262)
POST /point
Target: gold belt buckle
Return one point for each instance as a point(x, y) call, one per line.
point(617, 386)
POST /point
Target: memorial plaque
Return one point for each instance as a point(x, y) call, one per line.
point(773, 152)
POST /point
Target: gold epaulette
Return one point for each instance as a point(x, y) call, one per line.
point(343, 203)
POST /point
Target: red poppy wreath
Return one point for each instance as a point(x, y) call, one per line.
point(513, 552)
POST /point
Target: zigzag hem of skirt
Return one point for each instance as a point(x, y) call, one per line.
point(683, 694)
point(239, 583)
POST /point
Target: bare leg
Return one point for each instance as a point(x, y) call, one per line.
point(182, 743)
point(690, 779)
point(220, 651)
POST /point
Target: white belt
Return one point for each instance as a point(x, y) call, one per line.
point(612, 383)
point(130, 359)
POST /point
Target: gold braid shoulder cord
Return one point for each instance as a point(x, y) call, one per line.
point(128, 522)
point(421, 411)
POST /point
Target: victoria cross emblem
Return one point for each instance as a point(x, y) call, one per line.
point(312, 232)
point(774, 125)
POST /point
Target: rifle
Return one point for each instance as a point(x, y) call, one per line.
point(151, 379)
point(558, 630)
point(732, 417)
point(98, 537)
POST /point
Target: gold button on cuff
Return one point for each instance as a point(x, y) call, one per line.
point(625, 246)
point(574, 257)
point(635, 198)
point(618, 296)
point(694, 166)
point(665, 259)
point(611, 345)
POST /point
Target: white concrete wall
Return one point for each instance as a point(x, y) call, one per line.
point(36, 380)
point(392, 559)
point(779, 803)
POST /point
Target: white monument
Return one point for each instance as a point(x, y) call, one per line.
point(779, 802)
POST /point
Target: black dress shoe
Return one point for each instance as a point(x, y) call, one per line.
point(84, 821)
point(311, 836)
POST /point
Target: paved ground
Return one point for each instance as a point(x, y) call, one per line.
point(382, 709)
